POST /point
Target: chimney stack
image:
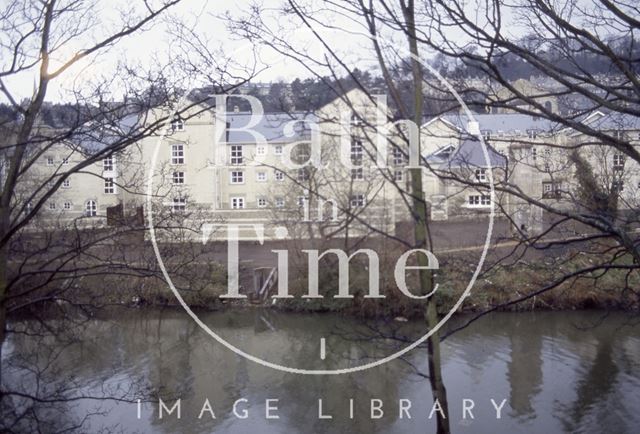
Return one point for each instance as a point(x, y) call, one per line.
point(473, 128)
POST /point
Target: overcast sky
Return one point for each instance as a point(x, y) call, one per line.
point(143, 48)
point(156, 45)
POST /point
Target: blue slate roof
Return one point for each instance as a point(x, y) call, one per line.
point(468, 154)
point(614, 121)
point(95, 137)
point(270, 125)
point(505, 122)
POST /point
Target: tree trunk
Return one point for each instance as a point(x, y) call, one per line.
point(421, 233)
point(4, 258)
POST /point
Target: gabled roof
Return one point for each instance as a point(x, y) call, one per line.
point(468, 154)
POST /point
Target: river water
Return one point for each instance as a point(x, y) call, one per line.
point(554, 371)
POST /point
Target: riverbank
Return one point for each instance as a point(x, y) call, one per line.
point(500, 286)
point(201, 282)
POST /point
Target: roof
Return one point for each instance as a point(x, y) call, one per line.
point(613, 121)
point(270, 125)
point(94, 137)
point(505, 122)
point(468, 154)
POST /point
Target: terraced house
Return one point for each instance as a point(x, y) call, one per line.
point(231, 167)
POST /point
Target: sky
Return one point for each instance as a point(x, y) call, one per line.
point(156, 46)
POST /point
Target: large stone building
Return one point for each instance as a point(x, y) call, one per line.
point(207, 167)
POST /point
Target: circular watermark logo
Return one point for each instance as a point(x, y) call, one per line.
point(282, 233)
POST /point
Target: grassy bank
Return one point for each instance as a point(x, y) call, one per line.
point(201, 283)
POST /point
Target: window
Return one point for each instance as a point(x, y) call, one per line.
point(237, 203)
point(534, 154)
point(617, 186)
point(49, 161)
point(67, 205)
point(177, 124)
point(90, 208)
point(398, 157)
point(28, 208)
point(261, 150)
point(357, 174)
point(302, 152)
point(237, 177)
point(278, 150)
point(303, 174)
point(279, 175)
point(52, 206)
point(178, 178)
point(262, 202)
point(619, 135)
point(486, 134)
point(109, 186)
point(279, 202)
point(65, 161)
point(355, 119)
point(551, 190)
point(66, 183)
point(479, 200)
point(618, 162)
point(356, 151)
point(179, 204)
point(301, 200)
point(547, 156)
point(177, 153)
point(533, 134)
point(236, 155)
point(398, 175)
point(261, 176)
point(481, 175)
point(108, 164)
point(357, 201)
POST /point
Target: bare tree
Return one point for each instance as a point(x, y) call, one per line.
point(60, 266)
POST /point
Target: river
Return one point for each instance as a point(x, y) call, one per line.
point(553, 372)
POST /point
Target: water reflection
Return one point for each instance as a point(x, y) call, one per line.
point(524, 377)
point(555, 374)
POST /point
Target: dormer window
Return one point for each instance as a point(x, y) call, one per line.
point(481, 175)
point(445, 152)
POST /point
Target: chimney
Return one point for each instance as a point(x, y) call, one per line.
point(473, 128)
